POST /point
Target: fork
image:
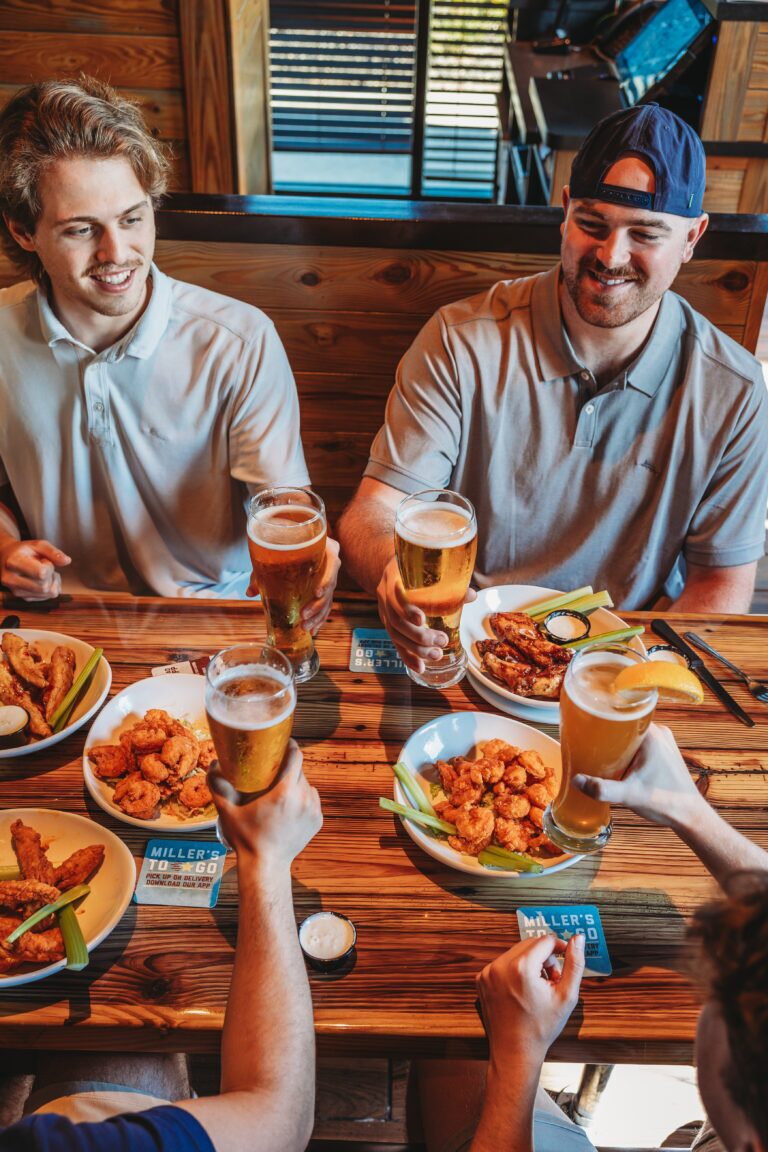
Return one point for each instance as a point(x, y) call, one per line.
point(758, 688)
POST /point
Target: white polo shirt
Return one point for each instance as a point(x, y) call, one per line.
point(138, 460)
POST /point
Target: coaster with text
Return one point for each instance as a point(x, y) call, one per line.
point(181, 872)
point(373, 651)
point(564, 921)
point(195, 667)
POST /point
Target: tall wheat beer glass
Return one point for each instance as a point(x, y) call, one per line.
point(286, 539)
point(599, 736)
point(435, 545)
point(249, 701)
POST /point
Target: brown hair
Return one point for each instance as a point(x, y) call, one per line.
point(733, 934)
point(57, 120)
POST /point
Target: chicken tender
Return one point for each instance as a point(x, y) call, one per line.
point(12, 691)
point(27, 894)
point(61, 675)
point(24, 661)
point(33, 862)
point(79, 867)
point(31, 947)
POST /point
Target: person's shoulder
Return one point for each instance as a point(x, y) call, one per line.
point(501, 302)
point(720, 353)
point(243, 321)
point(17, 296)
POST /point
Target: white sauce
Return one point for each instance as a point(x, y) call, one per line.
point(668, 656)
point(566, 627)
point(12, 719)
point(326, 936)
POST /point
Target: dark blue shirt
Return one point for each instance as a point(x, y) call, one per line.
point(162, 1129)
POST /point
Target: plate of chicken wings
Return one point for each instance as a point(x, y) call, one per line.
point(509, 661)
point(51, 853)
point(37, 670)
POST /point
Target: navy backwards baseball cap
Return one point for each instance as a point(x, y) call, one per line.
point(666, 143)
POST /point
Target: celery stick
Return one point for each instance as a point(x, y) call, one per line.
point(77, 953)
point(413, 790)
point(605, 637)
point(10, 872)
point(564, 600)
point(64, 710)
point(70, 897)
point(501, 858)
point(586, 605)
point(417, 816)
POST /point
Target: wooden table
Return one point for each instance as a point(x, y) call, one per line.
point(160, 981)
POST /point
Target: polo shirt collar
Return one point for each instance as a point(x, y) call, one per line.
point(140, 342)
point(557, 359)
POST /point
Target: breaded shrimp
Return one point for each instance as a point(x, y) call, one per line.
point(195, 792)
point(110, 761)
point(137, 797)
point(511, 806)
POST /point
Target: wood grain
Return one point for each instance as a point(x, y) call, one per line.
point(125, 61)
point(160, 981)
point(208, 89)
point(729, 78)
point(119, 17)
point(249, 53)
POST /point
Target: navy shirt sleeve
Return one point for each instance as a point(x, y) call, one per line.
point(162, 1129)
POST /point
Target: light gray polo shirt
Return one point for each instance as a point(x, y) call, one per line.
point(575, 484)
point(137, 460)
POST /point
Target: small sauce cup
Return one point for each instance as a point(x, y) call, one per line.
point(327, 940)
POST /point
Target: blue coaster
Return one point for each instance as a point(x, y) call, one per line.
point(373, 651)
point(181, 872)
point(564, 921)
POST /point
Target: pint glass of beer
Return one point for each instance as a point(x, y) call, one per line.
point(435, 545)
point(286, 539)
point(249, 701)
point(599, 735)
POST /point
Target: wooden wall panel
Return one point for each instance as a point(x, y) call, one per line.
point(203, 38)
point(149, 61)
point(118, 17)
point(729, 78)
point(249, 47)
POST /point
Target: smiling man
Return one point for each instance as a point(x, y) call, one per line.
point(137, 413)
point(605, 432)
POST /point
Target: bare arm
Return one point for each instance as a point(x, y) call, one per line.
point(658, 787)
point(268, 1044)
point(367, 535)
point(717, 589)
point(28, 567)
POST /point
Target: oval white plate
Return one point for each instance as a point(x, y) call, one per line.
point(94, 696)
point(111, 887)
point(183, 697)
point(475, 626)
point(456, 734)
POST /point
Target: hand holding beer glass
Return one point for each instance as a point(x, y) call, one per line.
point(435, 546)
point(249, 701)
point(600, 732)
point(286, 538)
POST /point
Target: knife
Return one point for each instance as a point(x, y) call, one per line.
point(661, 628)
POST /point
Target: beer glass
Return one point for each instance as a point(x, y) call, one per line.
point(599, 735)
point(249, 701)
point(286, 539)
point(435, 545)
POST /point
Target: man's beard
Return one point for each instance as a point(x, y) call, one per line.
point(601, 308)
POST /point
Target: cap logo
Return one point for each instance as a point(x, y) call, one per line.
point(628, 196)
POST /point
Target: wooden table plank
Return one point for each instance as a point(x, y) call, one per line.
point(160, 981)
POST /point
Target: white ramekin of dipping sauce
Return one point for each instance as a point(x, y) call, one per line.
point(327, 940)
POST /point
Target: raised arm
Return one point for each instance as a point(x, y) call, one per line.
point(367, 535)
point(658, 787)
point(268, 1045)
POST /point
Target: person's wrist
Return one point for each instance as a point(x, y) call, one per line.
point(259, 867)
point(686, 813)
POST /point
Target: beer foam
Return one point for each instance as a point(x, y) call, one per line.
point(264, 520)
point(237, 711)
point(589, 686)
point(436, 525)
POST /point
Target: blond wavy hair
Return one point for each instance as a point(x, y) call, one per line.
point(58, 120)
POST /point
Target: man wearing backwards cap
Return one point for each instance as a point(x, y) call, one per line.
point(605, 432)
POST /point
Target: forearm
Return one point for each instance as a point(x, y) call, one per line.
point(721, 849)
point(367, 538)
point(507, 1117)
point(717, 589)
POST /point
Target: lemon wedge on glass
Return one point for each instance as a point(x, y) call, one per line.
point(674, 684)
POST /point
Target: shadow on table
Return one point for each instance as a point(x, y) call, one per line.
point(318, 710)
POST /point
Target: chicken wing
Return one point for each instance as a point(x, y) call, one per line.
point(33, 862)
point(12, 691)
point(24, 662)
point(519, 630)
point(60, 677)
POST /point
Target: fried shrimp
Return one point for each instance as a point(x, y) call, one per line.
point(534, 765)
point(110, 761)
point(153, 768)
point(510, 834)
point(206, 754)
point(137, 797)
point(145, 738)
point(195, 792)
point(159, 718)
point(180, 753)
point(476, 825)
point(511, 806)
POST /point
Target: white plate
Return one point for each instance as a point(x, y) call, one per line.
point(111, 888)
point(475, 626)
point(183, 697)
point(94, 696)
point(456, 734)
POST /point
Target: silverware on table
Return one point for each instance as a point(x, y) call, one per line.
point(10, 622)
point(663, 629)
point(758, 688)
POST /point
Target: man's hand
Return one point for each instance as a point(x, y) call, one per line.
point(28, 568)
point(317, 611)
point(657, 785)
point(406, 624)
point(275, 827)
point(526, 1000)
